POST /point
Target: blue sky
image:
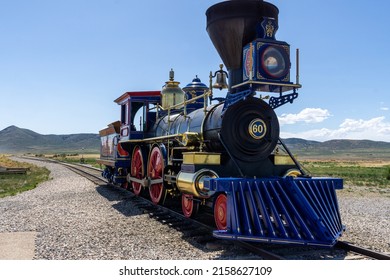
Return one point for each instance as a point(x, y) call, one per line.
point(62, 63)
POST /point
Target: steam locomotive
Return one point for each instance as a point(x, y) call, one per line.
point(225, 154)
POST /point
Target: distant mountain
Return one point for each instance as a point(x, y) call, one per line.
point(19, 140)
point(339, 144)
point(340, 148)
point(299, 144)
point(14, 139)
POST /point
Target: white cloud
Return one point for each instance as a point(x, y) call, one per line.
point(308, 115)
point(383, 107)
point(373, 129)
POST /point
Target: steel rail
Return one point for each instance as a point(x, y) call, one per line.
point(267, 255)
point(361, 250)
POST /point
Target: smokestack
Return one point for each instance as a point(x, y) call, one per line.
point(231, 25)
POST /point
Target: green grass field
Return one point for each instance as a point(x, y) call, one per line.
point(12, 184)
point(356, 173)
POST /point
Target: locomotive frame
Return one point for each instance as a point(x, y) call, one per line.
point(226, 156)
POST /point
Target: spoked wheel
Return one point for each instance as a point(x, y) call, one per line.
point(156, 172)
point(137, 169)
point(220, 212)
point(189, 206)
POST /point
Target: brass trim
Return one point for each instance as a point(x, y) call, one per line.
point(254, 129)
point(201, 158)
point(283, 160)
point(190, 138)
point(267, 83)
point(153, 139)
point(293, 173)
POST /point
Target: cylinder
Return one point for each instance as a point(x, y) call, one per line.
point(193, 183)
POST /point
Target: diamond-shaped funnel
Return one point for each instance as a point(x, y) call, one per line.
point(231, 25)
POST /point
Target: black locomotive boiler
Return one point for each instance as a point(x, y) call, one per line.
point(225, 153)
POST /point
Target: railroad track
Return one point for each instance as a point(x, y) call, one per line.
point(361, 251)
point(201, 232)
point(341, 251)
point(91, 173)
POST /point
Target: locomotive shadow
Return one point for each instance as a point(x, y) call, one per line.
point(122, 201)
point(122, 197)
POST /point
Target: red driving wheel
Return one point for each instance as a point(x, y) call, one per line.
point(155, 172)
point(189, 206)
point(137, 169)
point(220, 212)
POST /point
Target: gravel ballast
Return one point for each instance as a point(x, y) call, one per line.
point(367, 220)
point(74, 219)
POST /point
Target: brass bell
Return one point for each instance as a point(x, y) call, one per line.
point(221, 79)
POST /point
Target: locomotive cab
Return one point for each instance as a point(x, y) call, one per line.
point(137, 118)
point(138, 113)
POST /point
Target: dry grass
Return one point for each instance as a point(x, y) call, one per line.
point(5, 161)
point(360, 176)
point(11, 184)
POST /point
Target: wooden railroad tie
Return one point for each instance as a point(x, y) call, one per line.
point(13, 170)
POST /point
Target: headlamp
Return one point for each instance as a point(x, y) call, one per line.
point(275, 62)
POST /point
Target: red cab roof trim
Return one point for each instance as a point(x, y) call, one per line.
point(128, 94)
